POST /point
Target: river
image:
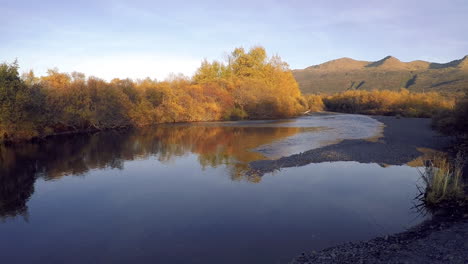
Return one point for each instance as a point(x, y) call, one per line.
point(185, 193)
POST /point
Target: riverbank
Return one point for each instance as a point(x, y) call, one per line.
point(404, 140)
point(435, 241)
point(214, 122)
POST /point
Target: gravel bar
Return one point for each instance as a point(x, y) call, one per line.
point(402, 141)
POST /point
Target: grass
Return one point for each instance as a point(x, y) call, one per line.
point(444, 185)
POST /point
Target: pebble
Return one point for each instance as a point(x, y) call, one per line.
point(435, 246)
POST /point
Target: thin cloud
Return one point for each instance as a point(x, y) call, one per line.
point(87, 33)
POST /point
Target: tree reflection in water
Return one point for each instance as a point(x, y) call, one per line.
point(21, 165)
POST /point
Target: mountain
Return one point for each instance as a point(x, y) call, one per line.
point(388, 73)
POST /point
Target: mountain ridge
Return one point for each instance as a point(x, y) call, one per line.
point(388, 73)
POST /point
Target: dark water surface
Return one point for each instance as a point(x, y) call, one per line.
point(183, 194)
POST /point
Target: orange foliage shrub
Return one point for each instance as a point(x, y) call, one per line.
point(315, 102)
point(249, 85)
point(387, 102)
point(261, 87)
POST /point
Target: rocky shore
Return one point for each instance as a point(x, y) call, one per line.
point(403, 141)
point(435, 241)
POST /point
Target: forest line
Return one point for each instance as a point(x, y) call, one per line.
point(250, 85)
point(247, 85)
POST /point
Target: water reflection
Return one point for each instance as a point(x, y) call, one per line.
point(182, 194)
point(175, 213)
point(234, 144)
point(77, 154)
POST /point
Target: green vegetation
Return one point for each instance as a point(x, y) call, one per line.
point(249, 85)
point(402, 103)
point(444, 185)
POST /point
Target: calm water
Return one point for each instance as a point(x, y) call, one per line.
point(183, 194)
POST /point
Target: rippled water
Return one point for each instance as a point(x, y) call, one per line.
point(326, 129)
point(183, 194)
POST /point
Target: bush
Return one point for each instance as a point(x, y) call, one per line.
point(250, 85)
point(315, 103)
point(453, 121)
point(385, 102)
point(237, 114)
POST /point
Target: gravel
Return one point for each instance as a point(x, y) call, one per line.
point(402, 141)
point(432, 242)
point(435, 241)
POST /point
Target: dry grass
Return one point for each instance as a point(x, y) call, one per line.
point(444, 185)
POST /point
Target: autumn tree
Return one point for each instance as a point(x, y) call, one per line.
point(249, 84)
point(19, 104)
point(261, 87)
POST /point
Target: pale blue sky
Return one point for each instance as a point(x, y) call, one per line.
point(154, 38)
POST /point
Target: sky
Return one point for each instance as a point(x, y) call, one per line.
point(138, 39)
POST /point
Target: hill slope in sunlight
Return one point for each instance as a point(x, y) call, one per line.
point(388, 73)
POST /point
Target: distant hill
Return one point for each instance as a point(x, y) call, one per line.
point(388, 73)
